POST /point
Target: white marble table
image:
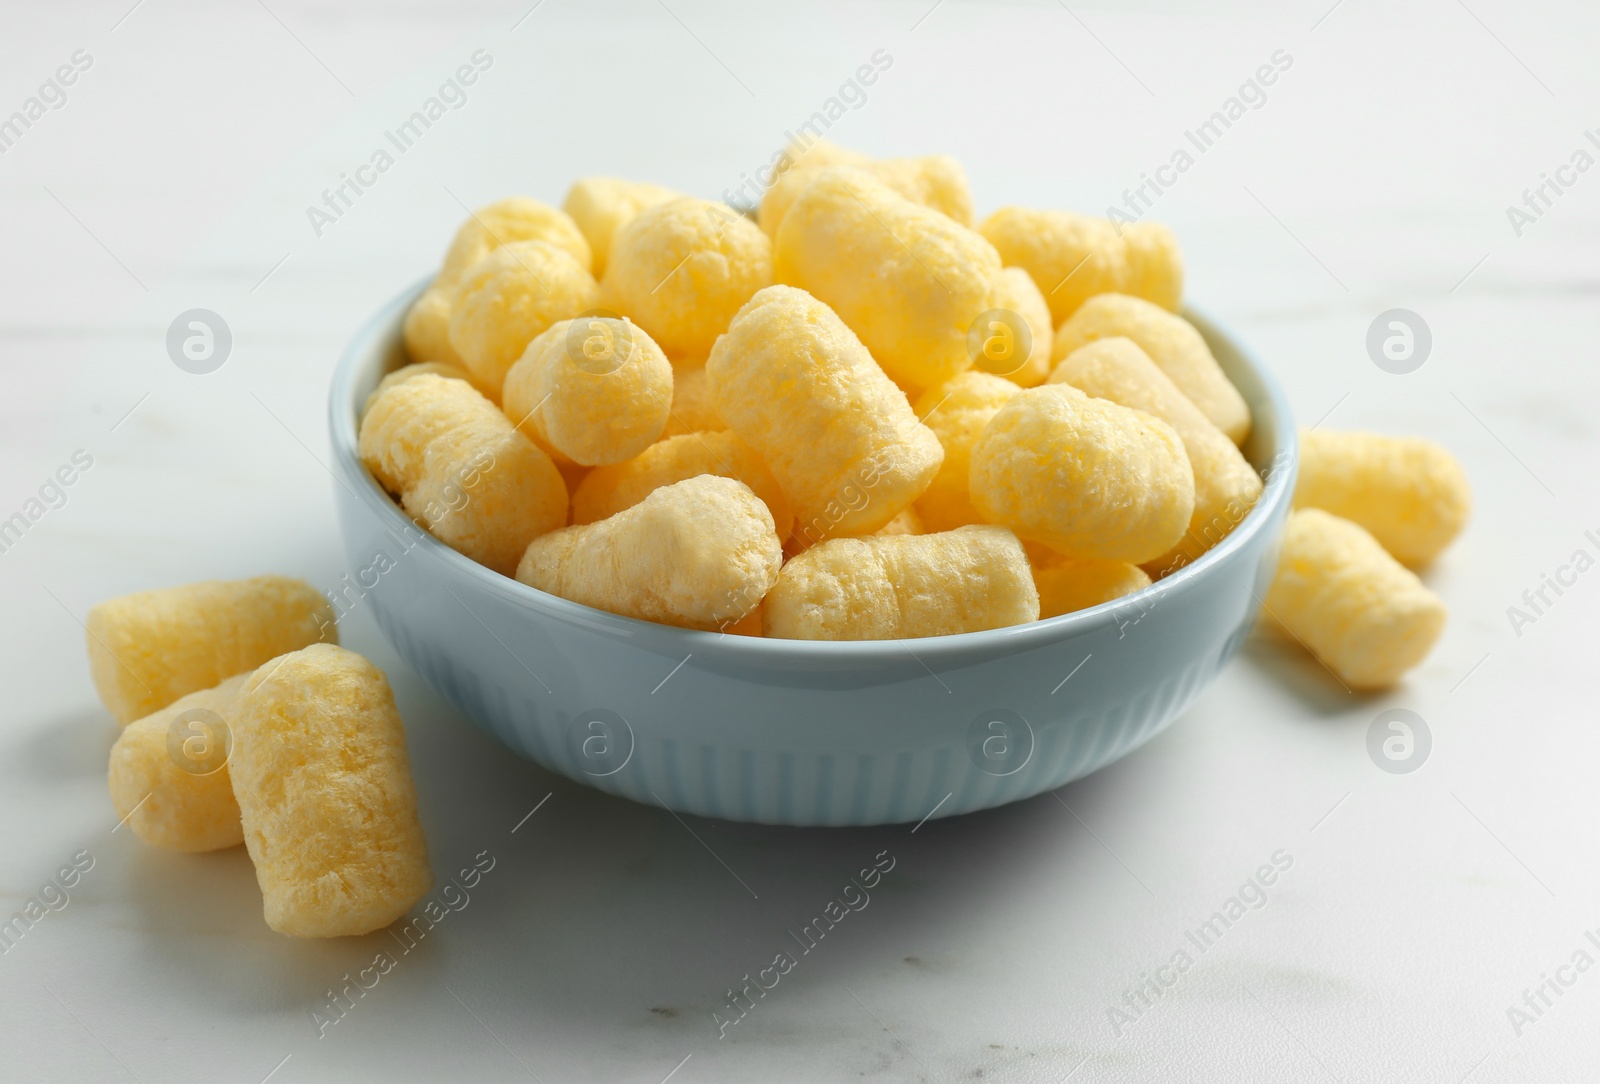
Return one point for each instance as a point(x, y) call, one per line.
point(1415, 910)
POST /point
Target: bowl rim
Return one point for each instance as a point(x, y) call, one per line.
point(955, 648)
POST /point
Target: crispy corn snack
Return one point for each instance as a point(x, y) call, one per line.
point(1015, 292)
point(169, 772)
point(406, 372)
point(701, 553)
point(504, 223)
point(1084, 476)
point(148, 649)
point(505, 300)
point(1172, 343)
point(1067, 583)
point(1410, 493)
point(461, 470)
point(901, 586)
point(590, 391)
point(908, 280)
point(692, 408)
point(608, 490)
point(797, 385)
point(1338, 592)
point(957, 412)
point(427, 327)
point(323, 781)
point(603, 205)
point(681, 269)
point(1073, 257)
point(1225, 486)
point(907, 522)
point(816, 152)
point(936, 181)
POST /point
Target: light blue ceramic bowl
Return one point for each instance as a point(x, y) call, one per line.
point(797, 732)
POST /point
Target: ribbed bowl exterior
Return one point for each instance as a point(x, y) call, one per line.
point(801, 733)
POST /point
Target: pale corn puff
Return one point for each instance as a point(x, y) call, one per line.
point(1016, 293)
point(406, 372)
point(600, 206)
point(906, 279)
point(907, 522)
point(505, 300)
point(902, 586)
point(323, 781)
point(1084, 476)
point(957, 412)
point(1225, 486)
point(798, 386)
point(461, 470)
point(816, 152)
point(169, 776)
point(506, 222)
point(610, 489)
point(1410, 493)
point(1172, 343)
point(1365, 615)
point(936, 181)
point(1073, 257)
point(681, 269)
point(786, 188)
point(700, 553)
point(148, 649)
point(426, 328)
point(592, 390)
point(693, 410)
point(1067, 584)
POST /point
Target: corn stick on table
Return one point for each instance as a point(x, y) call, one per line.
point(1396, 208)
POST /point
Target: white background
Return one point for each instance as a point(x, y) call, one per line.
point(1418, 907)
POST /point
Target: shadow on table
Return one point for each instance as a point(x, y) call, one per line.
point(68, 748)
point(1287, 660)
point(598, 912)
